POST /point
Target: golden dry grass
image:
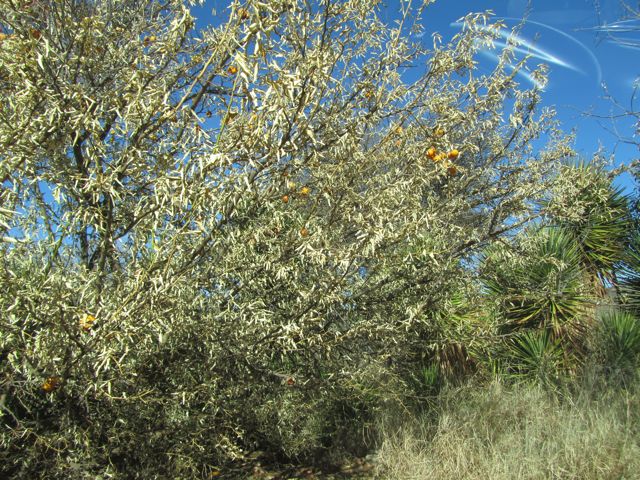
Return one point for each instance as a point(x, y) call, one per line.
point(517, 433)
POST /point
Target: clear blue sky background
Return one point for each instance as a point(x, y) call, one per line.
point(582, 60)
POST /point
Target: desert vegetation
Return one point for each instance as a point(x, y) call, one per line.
point(302, 234)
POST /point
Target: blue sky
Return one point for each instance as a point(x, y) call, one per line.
point(563, 34)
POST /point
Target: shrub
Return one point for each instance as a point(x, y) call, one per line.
point(619, 342)
point(157, 286)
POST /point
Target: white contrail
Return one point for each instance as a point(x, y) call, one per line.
point(521, 72)
point(631, 44)
point(538, 52)
point(595, 61)
point(621, 26)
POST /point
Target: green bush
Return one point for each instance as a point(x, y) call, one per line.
point(619, 342)
point(538, 282)
point(536, 356)
point(210, 238)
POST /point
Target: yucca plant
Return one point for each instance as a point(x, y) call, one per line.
point(426, 380)
point(620, 340)
point(459, 331)
point(596, 214)
point(535, 356)
point(538, 283)
point(629, 286)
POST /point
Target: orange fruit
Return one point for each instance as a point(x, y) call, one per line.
point(285, 198)
point(232, 70)
point(439, 157)
point(431, 153)
point(304, 232)
point(86, 322)
point(291, 381)
point(453, 154)
point(452, 170)
point(305, 191)
point(50, 384)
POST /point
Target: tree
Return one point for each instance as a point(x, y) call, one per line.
point(198, 225)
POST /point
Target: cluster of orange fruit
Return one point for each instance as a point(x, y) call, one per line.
point(445, 158)
point(398, 131)
point(86, 322)
point(304, 191)
point(148, 40)
point(51, 383)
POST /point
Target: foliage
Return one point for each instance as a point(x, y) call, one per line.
point(587, 205)
point(538, 282)
point(620, 339)
point(452, 341)
point(629, 275)
point(536, 356)
point(196, 221)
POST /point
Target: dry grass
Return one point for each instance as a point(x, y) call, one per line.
point(517, 433)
